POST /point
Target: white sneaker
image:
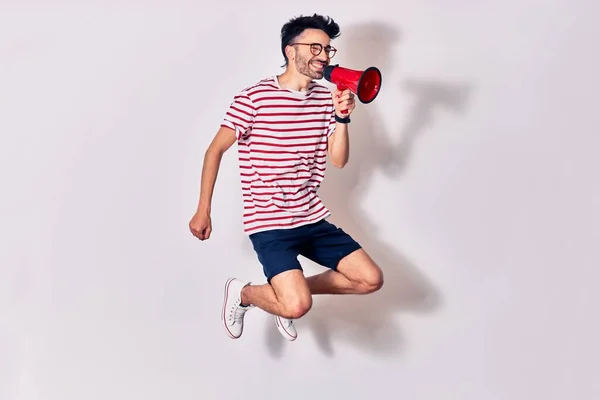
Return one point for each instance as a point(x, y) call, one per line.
point(232, 314)
point(286, 328)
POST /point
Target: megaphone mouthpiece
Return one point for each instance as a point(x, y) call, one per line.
point(364, 84)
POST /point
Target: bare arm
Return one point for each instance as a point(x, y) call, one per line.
point(339, 146)
point(222, 141)
point(339, 141)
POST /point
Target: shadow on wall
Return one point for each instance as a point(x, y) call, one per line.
point(371, 322)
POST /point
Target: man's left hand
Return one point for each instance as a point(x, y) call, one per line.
point(343, 101)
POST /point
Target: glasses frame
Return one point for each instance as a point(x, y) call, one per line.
point(317, 48)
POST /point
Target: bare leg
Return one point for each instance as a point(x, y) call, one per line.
point(357, 273)
point(288, 295)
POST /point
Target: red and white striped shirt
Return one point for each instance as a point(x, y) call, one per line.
point(282, 148)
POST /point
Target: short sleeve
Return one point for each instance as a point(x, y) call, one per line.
point(240, 115)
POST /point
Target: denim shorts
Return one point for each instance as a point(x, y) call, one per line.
point(321, 242)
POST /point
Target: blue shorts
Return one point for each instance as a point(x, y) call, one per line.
point(321, 242)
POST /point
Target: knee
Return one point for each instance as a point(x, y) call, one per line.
point(371, 281)
point(296, 308)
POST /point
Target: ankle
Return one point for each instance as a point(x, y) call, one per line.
point(244, 296)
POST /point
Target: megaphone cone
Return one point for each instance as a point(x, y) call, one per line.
point(364, 84)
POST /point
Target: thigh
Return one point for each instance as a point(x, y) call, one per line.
point(359, 267)
point(328, 245)
point(277, 251)
point(292, 291)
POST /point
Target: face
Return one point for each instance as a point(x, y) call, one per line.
point(310, 53)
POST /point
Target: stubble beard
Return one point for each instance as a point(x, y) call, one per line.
point(303, 66)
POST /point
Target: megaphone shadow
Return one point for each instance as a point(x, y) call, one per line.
point(370, 322)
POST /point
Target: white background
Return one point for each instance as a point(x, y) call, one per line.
point(473, 180)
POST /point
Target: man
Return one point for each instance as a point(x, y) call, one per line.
point(285, 127)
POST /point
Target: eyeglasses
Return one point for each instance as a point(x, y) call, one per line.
point(317, 48)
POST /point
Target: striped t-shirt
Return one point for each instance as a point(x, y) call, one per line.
point(282, 148)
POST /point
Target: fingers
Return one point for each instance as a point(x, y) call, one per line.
point(346, 106)
point(345, 94)
point(202, 233)
point(205, 234)
point(344, 101)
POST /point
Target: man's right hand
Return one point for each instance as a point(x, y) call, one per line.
point(200, 225)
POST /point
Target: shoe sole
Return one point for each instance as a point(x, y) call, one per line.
point(225, 296)
point(283, 331)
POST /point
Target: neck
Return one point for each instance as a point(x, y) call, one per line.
point(293, 80)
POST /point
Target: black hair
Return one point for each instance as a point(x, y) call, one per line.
point(295, 26)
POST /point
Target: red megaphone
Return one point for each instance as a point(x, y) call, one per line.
point(364, 84)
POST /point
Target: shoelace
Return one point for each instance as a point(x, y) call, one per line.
point(238, 313)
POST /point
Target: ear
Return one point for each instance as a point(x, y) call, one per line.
point(289, 52)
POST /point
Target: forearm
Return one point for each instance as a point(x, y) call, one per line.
point(340, 146)
point(210, 170)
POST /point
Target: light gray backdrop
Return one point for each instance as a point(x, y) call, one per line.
point(473, 179)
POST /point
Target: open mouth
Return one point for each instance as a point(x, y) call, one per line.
point(319, 65)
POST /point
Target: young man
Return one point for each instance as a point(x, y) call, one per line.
point(285, 126)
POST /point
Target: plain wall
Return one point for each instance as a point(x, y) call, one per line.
point(473, 181)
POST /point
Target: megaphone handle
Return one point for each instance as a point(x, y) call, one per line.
point(341, 87)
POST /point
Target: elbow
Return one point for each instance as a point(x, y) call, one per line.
point(338, 159)
point(339, 163)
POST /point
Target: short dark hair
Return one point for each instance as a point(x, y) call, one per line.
point(295, 26)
